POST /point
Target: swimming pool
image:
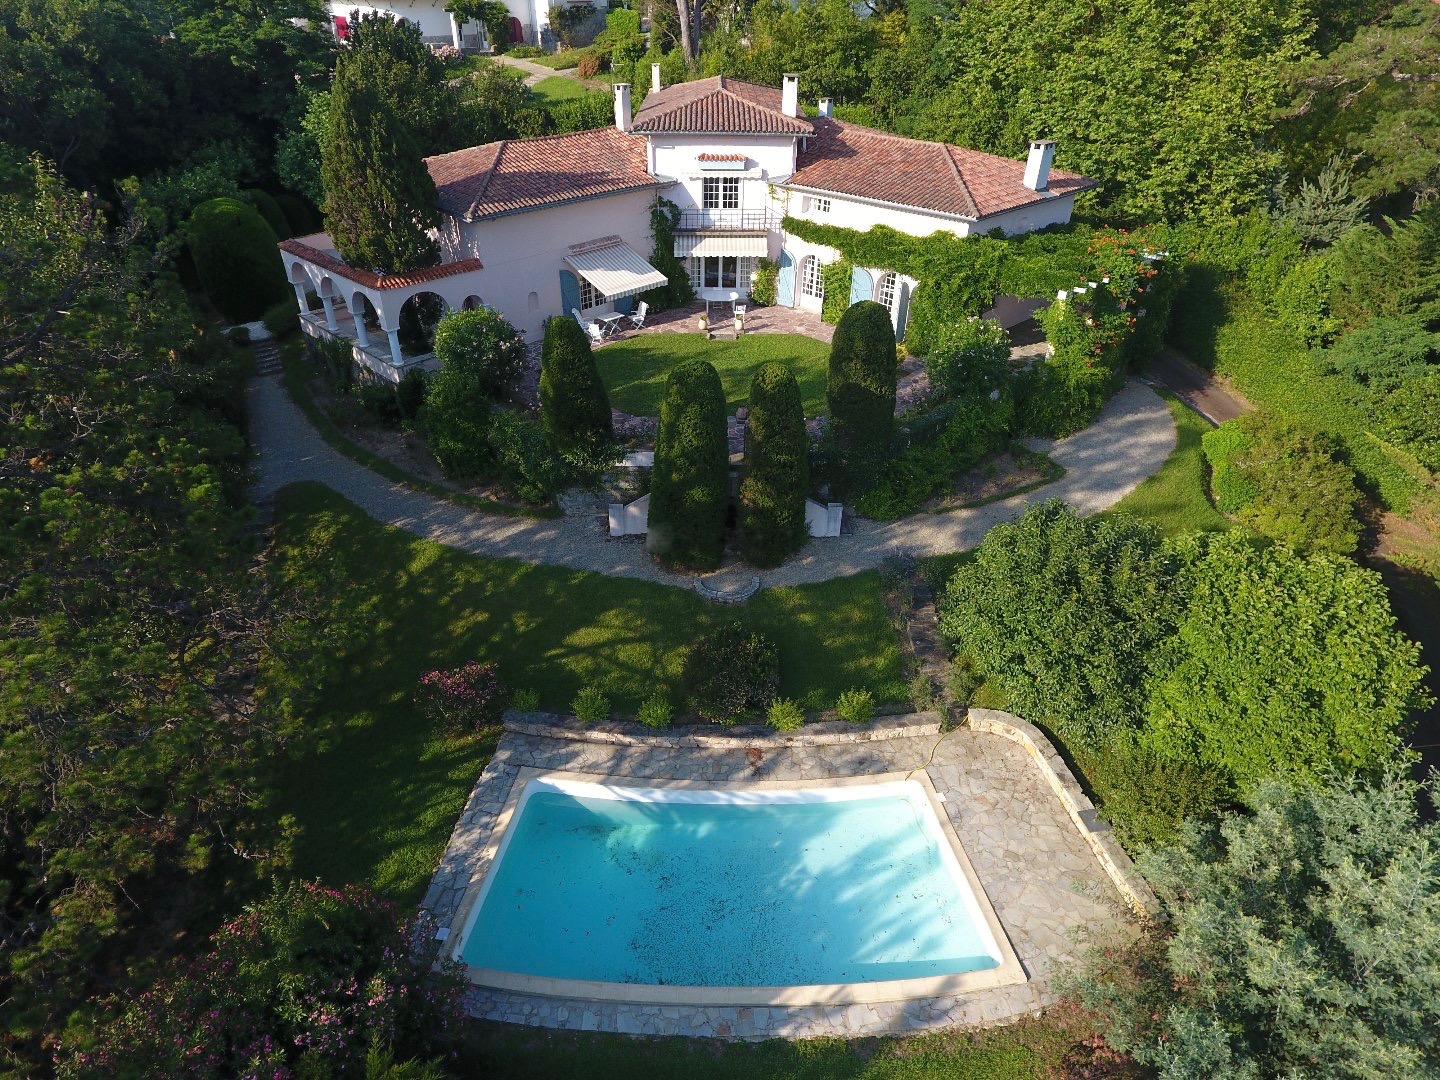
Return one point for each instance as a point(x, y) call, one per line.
point(729, 892)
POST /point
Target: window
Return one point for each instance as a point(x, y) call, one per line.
point(747, 268)
point(811, 283)
point(818, 205)
point(589, 295)
point(885, 293)
point(720, 192)
point(697, 272)
point(715, 272)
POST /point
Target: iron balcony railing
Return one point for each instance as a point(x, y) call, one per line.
point(750, 220)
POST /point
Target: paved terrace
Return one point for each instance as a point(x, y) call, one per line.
point(1033, 860)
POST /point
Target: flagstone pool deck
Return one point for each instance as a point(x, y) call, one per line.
point(1054, 876)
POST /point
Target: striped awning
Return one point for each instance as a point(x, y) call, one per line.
point(615, 269)
point(700, 246)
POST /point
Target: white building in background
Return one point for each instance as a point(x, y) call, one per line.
point(541, 227)
point(437, 25)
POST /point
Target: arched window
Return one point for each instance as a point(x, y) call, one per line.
point(885, 293)
point(811, 281)
point(533, 301)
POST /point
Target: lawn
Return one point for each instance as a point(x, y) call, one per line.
point(634, 371)
point(377, 797)
point(558, 88)
point(567, 58)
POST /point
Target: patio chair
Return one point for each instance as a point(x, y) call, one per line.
point(594, 330)
point(576, 312)
point(637, 320)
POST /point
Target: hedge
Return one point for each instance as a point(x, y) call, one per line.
point(573, 404)
point(235, 257)
point(266, 206)
point(690, 483)
point(777, 474)
point(860, 392)
point(489, 349)
point(298, 214)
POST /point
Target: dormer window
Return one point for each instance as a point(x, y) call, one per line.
point(721, 193)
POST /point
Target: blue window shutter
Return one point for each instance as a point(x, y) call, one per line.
point(569, 292)
point(625, 304)
point(902, 308)
point(862, 287)
point(785, 280)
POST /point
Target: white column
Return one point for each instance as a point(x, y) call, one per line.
point(454, 31)
point(362, 337)
point(300, 297)
point(329, 305)
point(396, 356)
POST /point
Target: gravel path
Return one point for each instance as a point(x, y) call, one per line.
point(1127, 443)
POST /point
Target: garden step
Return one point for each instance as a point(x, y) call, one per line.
point(267, 358)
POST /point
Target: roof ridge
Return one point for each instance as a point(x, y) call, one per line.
point(500, 147)
point(945, 149)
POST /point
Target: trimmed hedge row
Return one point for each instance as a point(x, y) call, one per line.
point(573, 404)
point(860, 390)
point(690, 483)
point(777, 471)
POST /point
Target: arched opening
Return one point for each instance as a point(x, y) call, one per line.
point(419, 317)
point(812, 282)
point(364, 311)
point(886, 293)
point(472, 302)
point(532, 302)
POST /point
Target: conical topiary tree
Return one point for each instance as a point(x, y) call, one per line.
point(574, 406)
point(777, 469)
point(860, 391)
point(690, 484)
point(235, 258)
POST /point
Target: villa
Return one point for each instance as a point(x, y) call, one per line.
point(534, 228)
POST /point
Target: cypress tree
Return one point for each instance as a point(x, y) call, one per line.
point(573, 404)
point(690, 484)
point(235, 257)
point(777, 469)
point(379, 198)
point(860, 390)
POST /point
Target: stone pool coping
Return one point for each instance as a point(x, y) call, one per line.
point(1007, 972)
point(1050, 888)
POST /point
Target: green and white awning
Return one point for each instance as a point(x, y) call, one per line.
point(691, 245)
point(613, 267)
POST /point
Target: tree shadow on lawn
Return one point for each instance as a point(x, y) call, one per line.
point(378, 794)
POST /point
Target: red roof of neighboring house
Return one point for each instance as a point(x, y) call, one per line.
point(331, 261)
point(851, 160)
point(718, 106)
point(523, 174)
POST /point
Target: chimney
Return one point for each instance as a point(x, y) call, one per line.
point(654, 78)
point(827, 107)
point(622, 106)
point(1037, 167)
point(790, 96)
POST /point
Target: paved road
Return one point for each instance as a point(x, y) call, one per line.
point(1129, 441)
point(1197, 388)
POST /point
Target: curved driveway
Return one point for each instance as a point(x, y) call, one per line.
point(1128, 442)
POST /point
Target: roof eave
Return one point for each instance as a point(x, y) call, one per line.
point(809, 189)
point(472, 218)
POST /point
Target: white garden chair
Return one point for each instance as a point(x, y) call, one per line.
point(594, 330)
point(637, 320)
point(578, 318)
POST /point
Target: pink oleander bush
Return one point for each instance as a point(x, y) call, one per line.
point(300, 984)
point(465, 698)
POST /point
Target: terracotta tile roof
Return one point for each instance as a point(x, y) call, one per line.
point(718, 106)
point(330, 260)
point(847, 159)
point(515, 175)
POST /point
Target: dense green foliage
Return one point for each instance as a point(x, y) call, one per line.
point(482, 344)
point(664, 218)
point(730, 671)
point(776, 479)
point(235, 257)
point(573, 404)
point(1068, 615)
point(1302, 938)
point(1283, 665)
point(310, 979)
point(860, 389)
point(135, 754)
point(968, 352)
point(266, 206)
point(379, 198)
point(1283, 480)
point(690, 484)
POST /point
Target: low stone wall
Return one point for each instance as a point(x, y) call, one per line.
point(1117, 865)
point(560, 726)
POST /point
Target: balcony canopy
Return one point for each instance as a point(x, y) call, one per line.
point(692, 245)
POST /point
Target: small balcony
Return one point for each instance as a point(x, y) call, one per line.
point(758, 221)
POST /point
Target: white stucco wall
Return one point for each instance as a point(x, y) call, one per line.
point(1054, 211)
point(858, 215)
point(767, 157)
point(524, 253)
point(434, 20)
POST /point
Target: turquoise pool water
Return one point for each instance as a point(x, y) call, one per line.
point(674, 888)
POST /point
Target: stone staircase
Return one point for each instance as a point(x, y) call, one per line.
point(267, 357)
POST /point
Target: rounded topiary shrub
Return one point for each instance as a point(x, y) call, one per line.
point(457, 413)
point(573, 404)
point(777, 469)
point(489, 349)
point(266, 206)
point(235, 257)
point(860, 391)
point(690, 484)
point(731, 670)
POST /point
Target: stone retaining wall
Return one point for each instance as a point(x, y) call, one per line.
point(1117, 865)
point(561, 726)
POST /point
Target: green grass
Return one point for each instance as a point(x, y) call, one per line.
point(560, 61)
point(634, 371)
point(1175, 498)
point(558, 88)
point(1031, 1048)
point(376, 800)
point(298, 371)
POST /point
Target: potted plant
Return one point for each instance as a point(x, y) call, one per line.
point(703, 322)
point(739, 323)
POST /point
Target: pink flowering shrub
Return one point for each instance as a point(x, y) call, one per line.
point(299, 984)
point(467, 697)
